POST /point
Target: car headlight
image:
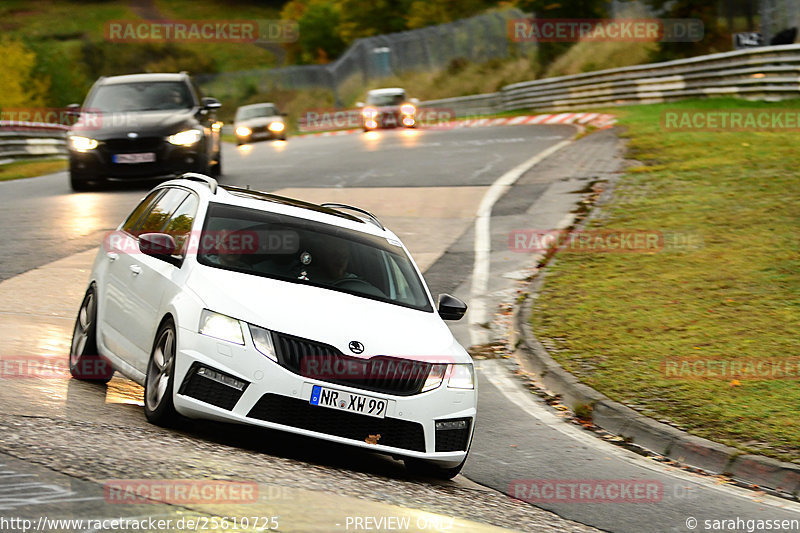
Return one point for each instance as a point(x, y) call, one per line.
point(276, 126)
point(243, 131)
point(221, 327)
point(408, 109)
point(185, 138)
point(263, 341)
point(369, 112)
point(461, 376)
point(435, 377)
point(82, 144)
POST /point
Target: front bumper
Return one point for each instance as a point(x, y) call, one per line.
point(277, 398)
point(170, 160)
point(388, 120)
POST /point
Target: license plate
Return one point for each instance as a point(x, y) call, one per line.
point(146, 157)
point(347, 401)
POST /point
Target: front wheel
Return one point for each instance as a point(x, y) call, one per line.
point(158, 406)
point(84, 361)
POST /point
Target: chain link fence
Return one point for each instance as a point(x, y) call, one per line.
point(477, 39)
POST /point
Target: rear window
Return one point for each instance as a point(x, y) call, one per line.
point(311, 253)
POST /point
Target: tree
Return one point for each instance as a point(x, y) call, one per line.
point(21, 86)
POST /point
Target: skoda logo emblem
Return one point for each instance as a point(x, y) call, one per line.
point(356, 347)
point(133, 135)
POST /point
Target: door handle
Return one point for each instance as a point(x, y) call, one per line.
point(135, 270)
point(111, 256)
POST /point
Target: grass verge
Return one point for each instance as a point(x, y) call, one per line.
point(30, 169)
point(615, 320)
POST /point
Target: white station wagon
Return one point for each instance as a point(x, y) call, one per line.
point(241, 306)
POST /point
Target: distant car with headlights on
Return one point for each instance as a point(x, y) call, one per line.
point(143, 127)
point(258, 122)
point(388, 108)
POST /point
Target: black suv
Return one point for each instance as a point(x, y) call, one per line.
point(141, 127)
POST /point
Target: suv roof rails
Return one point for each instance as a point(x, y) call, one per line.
point(285, 200)
point(194, 176)
point(372, 218)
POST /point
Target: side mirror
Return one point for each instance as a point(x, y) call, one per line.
point(359, 104)
point(160, 245)
point(210, 103)
point(73, 110)
point(451, 308)
point(283, 114)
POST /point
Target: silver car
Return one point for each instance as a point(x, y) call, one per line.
point(258, 122)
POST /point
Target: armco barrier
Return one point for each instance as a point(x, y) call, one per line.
point(25, 140)
point(767, 73)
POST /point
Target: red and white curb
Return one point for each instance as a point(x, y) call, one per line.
point(598, 120)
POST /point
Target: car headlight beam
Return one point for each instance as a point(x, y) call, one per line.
point(408, 109)
point(461, 376)
point(243, 131)
point(185, 138)
point(276, 126)
point(263, 341)
point(82, 144)
point(221, 327)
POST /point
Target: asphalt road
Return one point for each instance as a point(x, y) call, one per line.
point(518, 438)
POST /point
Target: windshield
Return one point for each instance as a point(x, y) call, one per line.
point(386, 99)
point(302, 251)
point(246, 113)
point(143, 96)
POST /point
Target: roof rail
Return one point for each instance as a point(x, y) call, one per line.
point(194, 176)
point(372, 218)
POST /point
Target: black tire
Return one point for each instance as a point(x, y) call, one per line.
point(159, 382)
point(418, 467)
point(84, 361)
point(78, 183)
point(216, 169)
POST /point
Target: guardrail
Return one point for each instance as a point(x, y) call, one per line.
point(767, 73)
point(24, 140)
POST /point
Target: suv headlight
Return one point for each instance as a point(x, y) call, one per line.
point(185, 138)
point(276, 126)
point(263, 341)
point(82, 144)
point(461, 376)
point(221, 327)
point(435, 377)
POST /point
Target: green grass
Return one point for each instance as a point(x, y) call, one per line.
point(30, 169)
point(614, 319)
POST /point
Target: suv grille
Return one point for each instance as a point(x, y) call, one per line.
point(389, 375)
point(301, 414)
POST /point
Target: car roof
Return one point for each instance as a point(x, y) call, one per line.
point(391, 90)
point(262, 201)
point(137, 78)
point(264, 104)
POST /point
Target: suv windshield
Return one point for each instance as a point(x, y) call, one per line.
point(386, 99)
point(308, 252)
point(246, 113)
point(141, 96)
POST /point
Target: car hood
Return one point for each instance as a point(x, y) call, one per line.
point(257, 121)
point(104, 126)
point(327, 316)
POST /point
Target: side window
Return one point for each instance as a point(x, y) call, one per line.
point(157, 218)
point(180, 224)
point(143, 207)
